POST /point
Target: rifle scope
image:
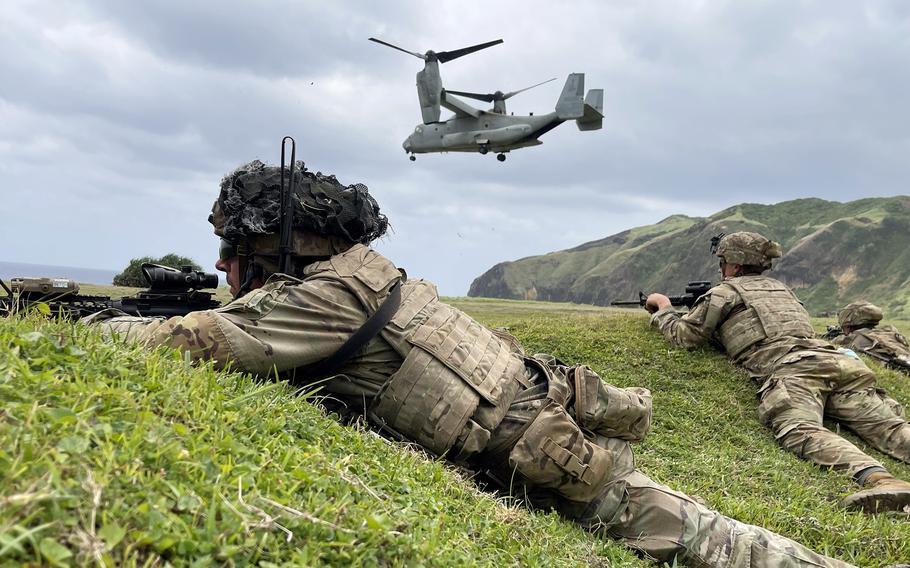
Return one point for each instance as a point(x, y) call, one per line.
point(161, 277)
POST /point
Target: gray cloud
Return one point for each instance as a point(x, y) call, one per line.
point(118, 119)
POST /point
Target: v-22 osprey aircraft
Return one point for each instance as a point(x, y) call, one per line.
point(484, 131)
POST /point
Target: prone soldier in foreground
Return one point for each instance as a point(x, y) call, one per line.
point(860, 331)
point(420, 370)
point(765, 329)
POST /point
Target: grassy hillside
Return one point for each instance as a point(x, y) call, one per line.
point(834, 253)
point(109, 454)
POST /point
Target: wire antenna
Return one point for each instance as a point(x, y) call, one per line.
point(287, 206)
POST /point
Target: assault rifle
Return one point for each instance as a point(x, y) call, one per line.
point(832, 332)
point(693, 291)
point(898, 362)
point(171, 292)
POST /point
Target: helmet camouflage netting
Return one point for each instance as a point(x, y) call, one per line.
point(748, 249)
point(859, 314)
point(249, 205)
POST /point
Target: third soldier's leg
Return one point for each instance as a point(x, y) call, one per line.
point(867, 411)
point(793, 403)
point(880, 421)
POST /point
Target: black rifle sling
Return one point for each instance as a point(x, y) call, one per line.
point(361, 337)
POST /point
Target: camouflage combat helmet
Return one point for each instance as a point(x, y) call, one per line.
point(248, 205)
point(859, 314)
point(748, 249)
point(328, 219)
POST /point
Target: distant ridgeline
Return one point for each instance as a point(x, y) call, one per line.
point(834, 253)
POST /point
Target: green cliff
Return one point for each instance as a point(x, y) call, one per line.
point(833, 253)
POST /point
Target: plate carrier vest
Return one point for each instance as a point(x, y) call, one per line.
point(771, 311)
point(457, 379)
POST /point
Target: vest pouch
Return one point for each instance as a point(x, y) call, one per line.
point(778, 311)
point(553, 453)
point(740, 331)
point(425, 402)
point(456, 382)
point(472, 440)
point(468, 349)
point(783, 316)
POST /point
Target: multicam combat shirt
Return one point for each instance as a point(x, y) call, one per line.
point(725, 301)
point(288, 323)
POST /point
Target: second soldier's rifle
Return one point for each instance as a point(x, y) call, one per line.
point(897, 362)
point(171, 292)
point(831, 332)
point(694, 290)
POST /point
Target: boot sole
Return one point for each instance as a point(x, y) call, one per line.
point(872, 501)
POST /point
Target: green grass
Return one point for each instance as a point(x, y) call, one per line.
point(109, 454)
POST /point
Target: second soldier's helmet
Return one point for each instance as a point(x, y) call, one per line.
point(859, 314)
point(334, 215)
point(748, 249)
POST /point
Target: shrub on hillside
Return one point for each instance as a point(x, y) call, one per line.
point(132, 274)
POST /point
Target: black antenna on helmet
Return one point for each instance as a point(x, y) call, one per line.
point(715, 241)
point(286, 215)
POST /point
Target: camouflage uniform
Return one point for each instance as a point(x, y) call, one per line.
point(555, 435)
point(884, 343)
point(765, 329)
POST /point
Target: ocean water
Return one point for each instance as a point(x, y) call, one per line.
point(82, 275)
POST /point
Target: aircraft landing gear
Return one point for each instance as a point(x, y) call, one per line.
point(412, 157)
point(501, 157)
point(483, 150)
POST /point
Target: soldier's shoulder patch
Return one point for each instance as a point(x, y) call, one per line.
point(722, 293)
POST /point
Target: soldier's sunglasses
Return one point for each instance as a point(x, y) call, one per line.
point(226, 250)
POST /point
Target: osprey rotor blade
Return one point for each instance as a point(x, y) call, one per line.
point(513, 93)
point(387, 44)
point(488, 97)
point(444, 56)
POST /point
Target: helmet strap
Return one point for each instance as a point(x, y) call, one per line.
point(247, 267)
point(253, 272)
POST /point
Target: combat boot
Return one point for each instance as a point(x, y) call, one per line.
point(885, 493)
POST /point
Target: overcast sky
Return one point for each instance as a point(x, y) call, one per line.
point(118, 119)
